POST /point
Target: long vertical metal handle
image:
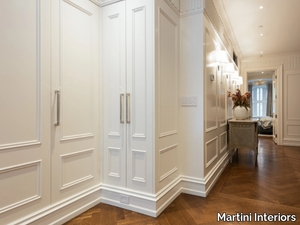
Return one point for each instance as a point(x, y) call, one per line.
point(121, 108)
point(57, 92)
point(128, 112)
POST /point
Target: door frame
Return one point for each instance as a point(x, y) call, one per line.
point(279, 72)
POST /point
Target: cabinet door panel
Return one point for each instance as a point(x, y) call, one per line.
point(140, 87)
point(25, 108)
point(75, 165)
point(114, 89)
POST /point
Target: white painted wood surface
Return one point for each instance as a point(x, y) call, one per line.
point(75, 143)
point(25, 108)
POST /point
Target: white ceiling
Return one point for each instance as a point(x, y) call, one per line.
point(259, 73)
point(280, 20)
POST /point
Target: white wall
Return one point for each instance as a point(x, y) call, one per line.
point(191, 84)
point(290, 84)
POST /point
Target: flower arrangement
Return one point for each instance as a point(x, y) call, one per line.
point(240, 100)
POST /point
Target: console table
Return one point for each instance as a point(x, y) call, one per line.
point(243, 134)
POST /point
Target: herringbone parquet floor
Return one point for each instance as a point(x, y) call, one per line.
point(272, 187)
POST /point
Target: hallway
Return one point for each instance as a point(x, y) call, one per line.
point(272, 187)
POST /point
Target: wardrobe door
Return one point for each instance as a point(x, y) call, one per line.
point(75, 98)
point(114, 93)
point(140, 94)
point(25, 108)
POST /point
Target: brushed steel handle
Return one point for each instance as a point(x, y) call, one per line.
point(57, 92)
point(128, 111)
point(121, 108)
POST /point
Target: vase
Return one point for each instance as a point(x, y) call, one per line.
point(240, 113)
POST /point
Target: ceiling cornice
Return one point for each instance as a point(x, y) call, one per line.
point(227, 25)
point(295, 54)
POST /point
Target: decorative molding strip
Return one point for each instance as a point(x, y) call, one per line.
point(112, 174)
point(188, 6)
point(200, 11)
point(162, 151)
point(168, 133)
point(114, 134)
point(168, 174)
point(225, 147)
point(96, 2)
point(167, 149)
point(207, 164)
point(173, 6)
point(292, 125)
point(211, 128)
point(39, 215)
point(222, 163)
point(288, 61)
point(136, 135)
point(20, 144)
point(135, 178)
point(114, 16)
point(108, 2)
point(78, 7)
point(215, 27)
point(166, 15)
point(77, 136)
point(140, 197)
point(38, 184)
point(78, 181)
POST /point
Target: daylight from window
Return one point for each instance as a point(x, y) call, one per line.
point(259, 101)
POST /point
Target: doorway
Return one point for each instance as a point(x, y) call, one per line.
point(262, 85)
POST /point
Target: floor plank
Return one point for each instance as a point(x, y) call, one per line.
point(272, 187)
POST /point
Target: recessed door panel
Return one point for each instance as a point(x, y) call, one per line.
point(25, 108)
point(75, 74)
point(114, 95)
point(140, 81)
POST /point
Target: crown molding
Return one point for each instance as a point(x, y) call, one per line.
point(289, 61)
point(96, 2)
point(227, 25)
point(106, 2)
point(291, 54)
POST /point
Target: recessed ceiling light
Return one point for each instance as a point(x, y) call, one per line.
point(261, 7)
point(262, 72)
point(261, 34)
point(261, 52)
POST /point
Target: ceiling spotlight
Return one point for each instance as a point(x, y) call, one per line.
point(261, 34)
point(261, 7)
point(262, 72)
point(261, 52)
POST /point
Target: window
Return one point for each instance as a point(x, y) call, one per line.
point(259, 101)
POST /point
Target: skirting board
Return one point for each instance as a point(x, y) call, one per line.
point(291, 142)
point(148, 204)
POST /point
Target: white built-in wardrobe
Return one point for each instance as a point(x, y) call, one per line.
point(89, 107)
point(50, 96)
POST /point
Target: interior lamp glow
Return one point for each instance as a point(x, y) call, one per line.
point(221, 57)
point(229, 69)
point(240, 81)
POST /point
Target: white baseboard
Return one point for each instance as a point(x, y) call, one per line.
point(148, 204)
point(63, 211)
point(291, 142)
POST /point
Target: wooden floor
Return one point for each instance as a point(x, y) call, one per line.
point(272, 187)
